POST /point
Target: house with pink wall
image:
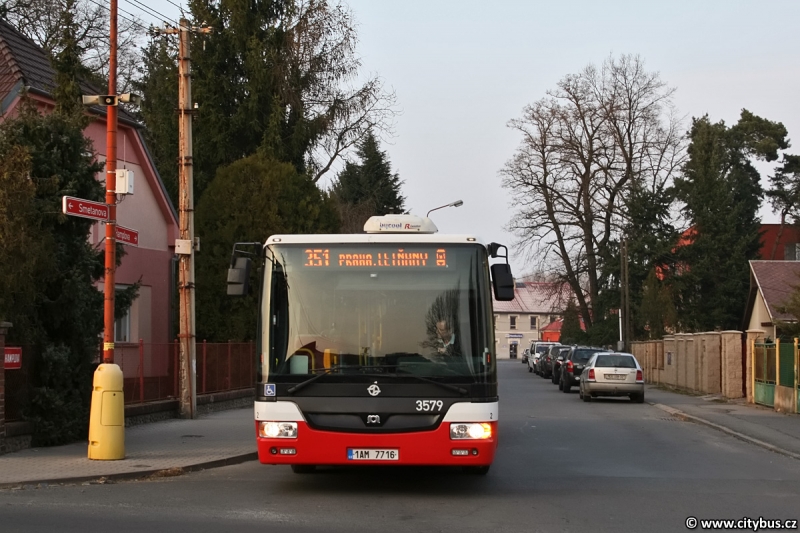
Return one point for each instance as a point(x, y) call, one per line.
point(25, 69)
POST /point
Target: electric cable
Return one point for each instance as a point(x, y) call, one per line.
point(150, 11)
point(134, 22)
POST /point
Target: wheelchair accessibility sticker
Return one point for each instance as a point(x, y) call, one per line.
point(269, 389)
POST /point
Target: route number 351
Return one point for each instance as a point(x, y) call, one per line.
point(429, 405)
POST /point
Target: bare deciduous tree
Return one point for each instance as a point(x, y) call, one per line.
point(599, 134)
point(40, 21)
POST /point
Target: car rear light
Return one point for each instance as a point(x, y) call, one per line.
point(569, 367)
point(591, 374)
point(639, 376)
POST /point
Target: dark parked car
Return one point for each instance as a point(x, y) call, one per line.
point(556, 361)
point(537, 350)
point(547, 359)
point(573, 365)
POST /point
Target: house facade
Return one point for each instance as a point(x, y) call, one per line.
point(25, 69)
point(519, 322)
point(771, 286)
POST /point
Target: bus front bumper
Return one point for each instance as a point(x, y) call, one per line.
point(317, 447)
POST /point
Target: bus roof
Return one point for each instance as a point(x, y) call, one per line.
point(386, 228)
point(347, 238)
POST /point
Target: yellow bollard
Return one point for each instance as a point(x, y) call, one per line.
point(107, 418)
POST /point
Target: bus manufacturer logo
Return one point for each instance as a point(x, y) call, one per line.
point(373, 419)
point(374, 390)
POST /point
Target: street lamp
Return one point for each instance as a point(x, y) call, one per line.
point(457, 203)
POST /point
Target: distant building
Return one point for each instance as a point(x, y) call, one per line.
point(552, 332)
point(520, 321)
point(780, 243)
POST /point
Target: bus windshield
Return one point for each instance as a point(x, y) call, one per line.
point(405, 309)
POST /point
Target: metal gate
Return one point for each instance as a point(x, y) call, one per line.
point(764, 373)
point(796, 378)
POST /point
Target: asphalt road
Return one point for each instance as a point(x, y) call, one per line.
point(563, 465)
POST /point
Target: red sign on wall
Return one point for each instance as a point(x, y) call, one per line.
point(13, 358)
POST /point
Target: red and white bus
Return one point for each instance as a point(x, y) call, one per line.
point(377, 348)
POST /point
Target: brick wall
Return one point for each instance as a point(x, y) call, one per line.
point(732, 375)
point(709, 363)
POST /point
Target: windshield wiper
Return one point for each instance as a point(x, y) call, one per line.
point(456, 388)
point(292, 390)
point(311, 380)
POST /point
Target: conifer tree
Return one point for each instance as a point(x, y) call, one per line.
point(571, 331)
point(785, 196)
point(262, 197)
point(721, 192)
point(367, 188)
point(56, 309)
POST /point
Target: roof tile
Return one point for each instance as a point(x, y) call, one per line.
point(776, 281)
point(24, 60)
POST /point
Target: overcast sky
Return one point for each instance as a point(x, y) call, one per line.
point(462, 69)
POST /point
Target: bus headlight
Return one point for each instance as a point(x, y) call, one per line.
point(277, 430)
point(472, 431)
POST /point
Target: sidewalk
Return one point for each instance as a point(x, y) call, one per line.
point(228, 437)
point(160, 448)
point(756, 424)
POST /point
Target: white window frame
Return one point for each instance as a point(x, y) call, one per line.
point(122, 324)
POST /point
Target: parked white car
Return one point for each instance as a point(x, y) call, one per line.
point(537, 349)
point(612, 374)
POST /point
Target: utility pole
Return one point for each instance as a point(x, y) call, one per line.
point(186, 245)
point(111, 196)
point(107, 414)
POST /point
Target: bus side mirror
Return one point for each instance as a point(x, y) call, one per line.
point(239, 277)
point(494, 250)
point(502, 282)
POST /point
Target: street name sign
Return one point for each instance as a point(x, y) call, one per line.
point(84, 208)
point(127, 236)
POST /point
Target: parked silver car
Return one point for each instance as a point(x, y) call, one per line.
point(612, 374)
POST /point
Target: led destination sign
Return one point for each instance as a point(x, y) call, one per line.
point(377, 258)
